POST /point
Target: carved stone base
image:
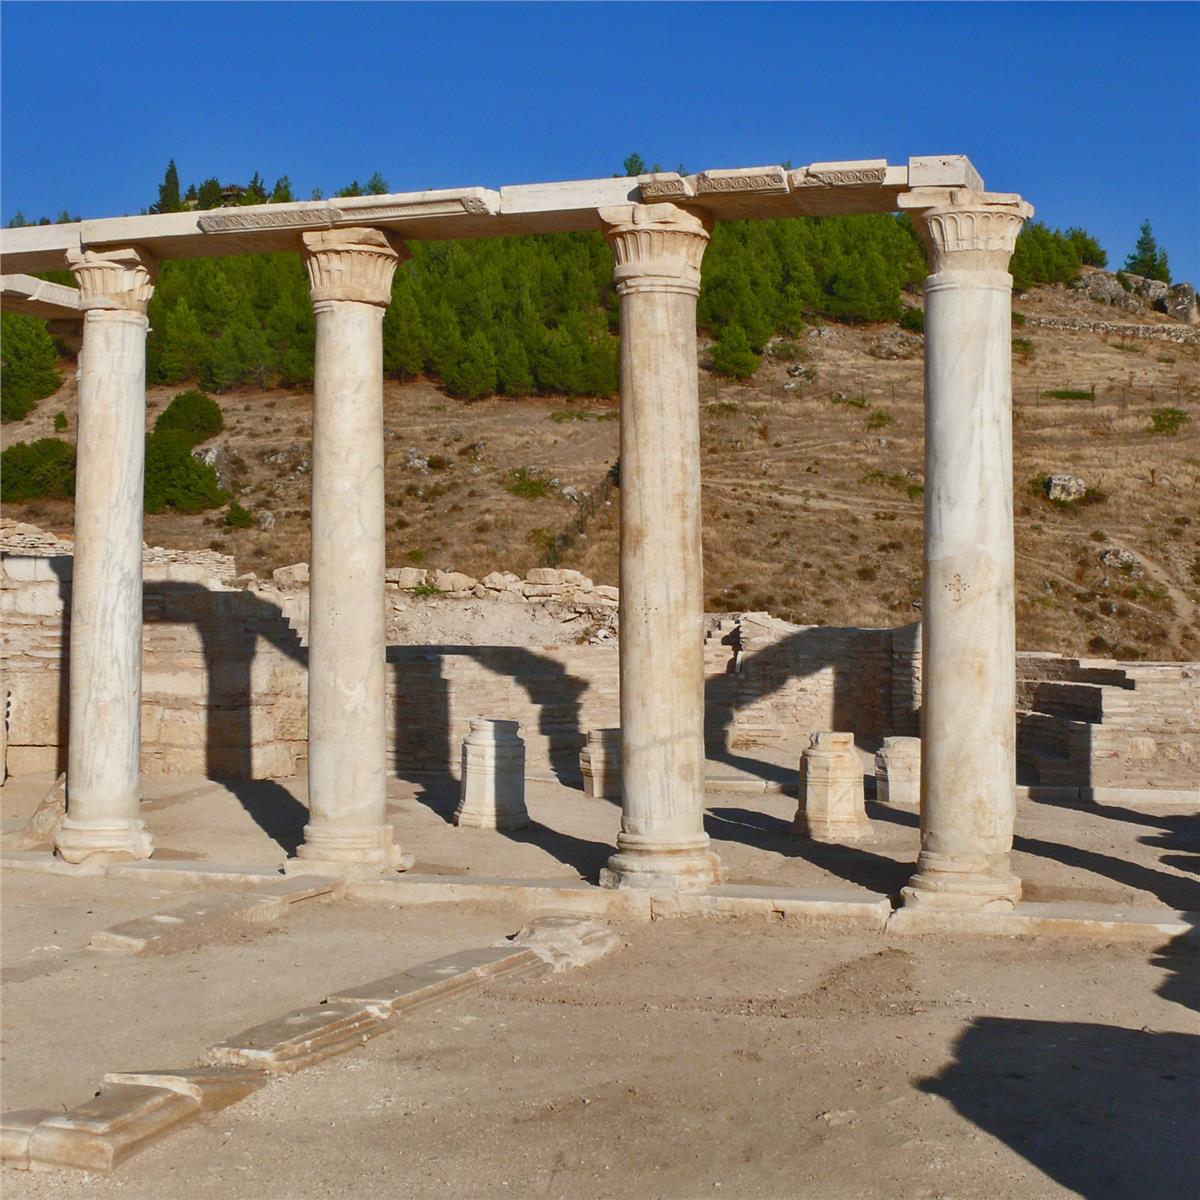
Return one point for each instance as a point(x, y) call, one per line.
point(831, 828)
point(650, 864)
point(962, 884)
point(94, 842)
point(348, 854)
point(492, 792)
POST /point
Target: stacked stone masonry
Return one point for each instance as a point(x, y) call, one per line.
point(225, 683)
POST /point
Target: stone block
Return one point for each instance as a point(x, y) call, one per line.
point(34, 708)
point(409, 577)
point(98, 1135)
point(603, 591)
point(540, 591)
point(563, 942)
point(500, 581)
point(41, 599)
point(301, 1038)
point(453, 581)
point(16, 1128)
point(293, 576)
point(547, 576)
point(439, 979)
point(213, 1088)
point(32, 760)
point(832, 807)
point(944, 170)
point(898, 772)
point(600, 764)
point(492, 791)
point(188, 925)
point(31, 568)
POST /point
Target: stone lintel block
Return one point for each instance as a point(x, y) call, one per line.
point(944, 170)
point(98, 1135)
point(440, 979)
point(562, 942)
point(819, 909)
point(213, 1088)
point(301, 1038)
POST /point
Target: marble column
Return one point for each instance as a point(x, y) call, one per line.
point(350, 275)
point(968, 749)
point(105, 682)
point(662, 843)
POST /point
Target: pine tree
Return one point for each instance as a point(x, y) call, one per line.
point(474, 375)
point(732, 354)
point(283, 191)
point(183, 345)
point(635, 164)
point(376, 185)
point(169, 200)
point(513, 372)
point(209, 195)
point(28, 365)
point(1147, 259)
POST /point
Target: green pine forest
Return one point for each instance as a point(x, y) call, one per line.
point(514, 316)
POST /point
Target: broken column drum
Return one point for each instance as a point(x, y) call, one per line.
point(968, 771)
point(662, 843)
point(600, 764)
point(350, 273)
point(492, 789)
point(831, 791)
point(104, 753)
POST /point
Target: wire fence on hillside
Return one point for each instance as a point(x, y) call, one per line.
point(589, 505)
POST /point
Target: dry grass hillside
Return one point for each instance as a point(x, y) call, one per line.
point(812, 482)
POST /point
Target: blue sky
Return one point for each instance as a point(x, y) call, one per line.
point(1089, 110)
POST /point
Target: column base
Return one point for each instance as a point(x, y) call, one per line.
point(962, 884)
point(98, 842)
point(835, 830)
point(652, 864)
point(347, 854)
point(473, 818)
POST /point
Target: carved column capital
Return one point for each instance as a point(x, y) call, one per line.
point(113, 279)
point(352, 264)
point(967, 231)
point(657, 247)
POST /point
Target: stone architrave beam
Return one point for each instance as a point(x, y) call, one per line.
point(39, 298)
point(819, 189)
point(968, 747)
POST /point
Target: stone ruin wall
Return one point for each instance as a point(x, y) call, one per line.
point(225, 690)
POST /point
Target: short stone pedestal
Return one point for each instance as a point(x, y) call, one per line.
point(600, 764)
point(832, 808)
point(492, 794)
point(898, 772)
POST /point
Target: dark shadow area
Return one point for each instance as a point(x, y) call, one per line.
point(440, 795)
point(876, 872)
point(1180, 959)
point(758, 675)
point(423, 723)
point(1107, 1112)
point(230, 624)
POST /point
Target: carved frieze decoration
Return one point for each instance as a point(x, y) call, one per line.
point(758, 180)
point(867, 173)
point(261, 217)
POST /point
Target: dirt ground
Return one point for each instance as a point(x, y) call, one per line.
point(747, 1058)
point(718, 1058)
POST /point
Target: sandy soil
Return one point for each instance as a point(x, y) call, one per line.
point(734, 1059)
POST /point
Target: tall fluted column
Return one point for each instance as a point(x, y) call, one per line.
point(968, 761)
point(350, 273)
point(105, 738)
point(662, 843)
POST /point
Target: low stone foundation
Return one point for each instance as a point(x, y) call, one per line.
point(225, 663)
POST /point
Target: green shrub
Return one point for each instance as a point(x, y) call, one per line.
point(527, 486)
point(568, 414)
point(732, 355)
point(1167, 420)
point(879, 419)
point(238, 517)
point(176, 480)
point(426, 589)
point(913, 319)
point(1068, 394)
point(787, 351)
point(438, 462)
point(44, 469)
point(192, 413)
point(1022, 346)
point(28, 365)
point(1018, 320)
point(60, 422)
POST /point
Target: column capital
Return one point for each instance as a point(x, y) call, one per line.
point(965, 230)
point(352, 264)
point(657, 247)
point(113, 279)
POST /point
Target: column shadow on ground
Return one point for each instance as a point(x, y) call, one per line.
point(855, 864)
point(1106, 1112)
point(440, 795)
